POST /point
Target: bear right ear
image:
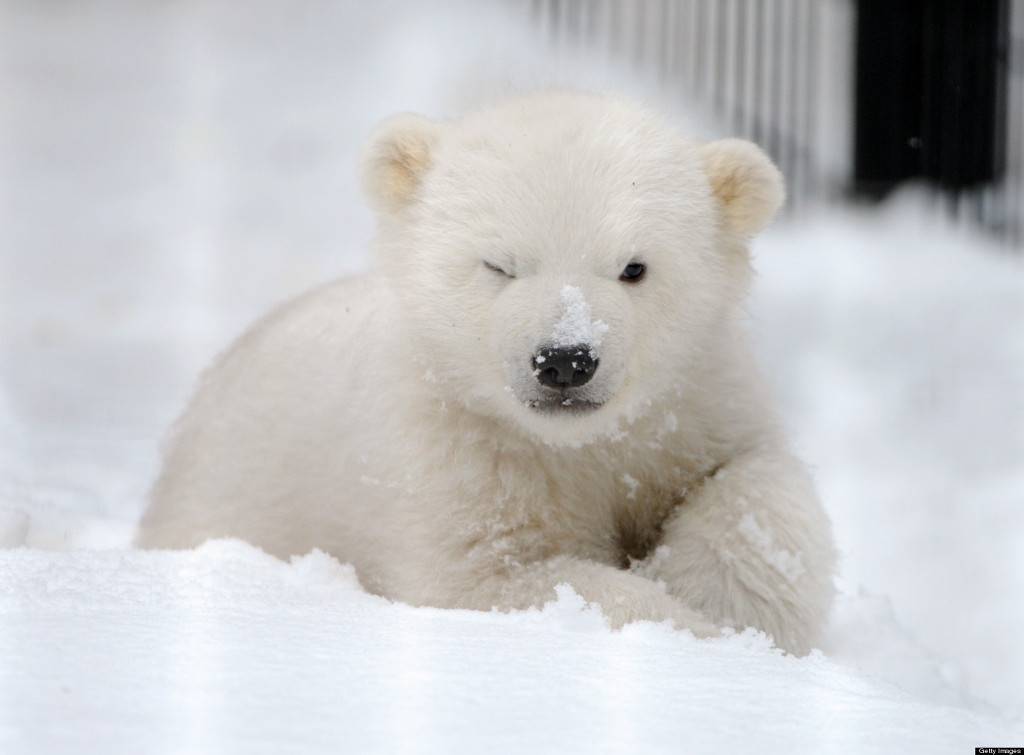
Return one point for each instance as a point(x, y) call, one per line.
point(397, 158)
point(747, 185)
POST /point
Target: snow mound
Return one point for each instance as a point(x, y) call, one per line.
point(225, 649)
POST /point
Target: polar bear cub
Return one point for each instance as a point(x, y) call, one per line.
point(544, 380)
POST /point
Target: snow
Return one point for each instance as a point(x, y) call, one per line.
point(891, 339)
point(632, 485)
point(788, 564)
point(574, 327)
point(226, 650)
point(167, 173)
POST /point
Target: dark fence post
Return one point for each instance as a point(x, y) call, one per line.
point(929, 93)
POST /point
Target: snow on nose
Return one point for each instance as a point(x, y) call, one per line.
point(575, 325)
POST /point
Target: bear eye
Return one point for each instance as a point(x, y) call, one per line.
point(497, 269)
point(633, 272)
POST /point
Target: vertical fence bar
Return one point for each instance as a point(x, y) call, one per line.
point(1014, 181)
point(740, 114)
point(797, 99)
point(688, 57)
point(699, 41)
point(811, 157)
point(668, 25)
point(719, 57)
point(758, 98)
point(775, 97)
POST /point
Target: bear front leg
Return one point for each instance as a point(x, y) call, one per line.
point(623, 597)
point(752, 546)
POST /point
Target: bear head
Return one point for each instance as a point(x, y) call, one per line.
point(564, 260)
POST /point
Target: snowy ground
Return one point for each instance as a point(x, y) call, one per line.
point(224, 649)
point(169, 171)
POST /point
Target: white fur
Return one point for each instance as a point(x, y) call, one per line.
point(394, 419)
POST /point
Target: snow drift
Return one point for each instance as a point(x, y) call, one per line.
point(225, 649)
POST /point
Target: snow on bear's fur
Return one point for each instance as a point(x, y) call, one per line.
point(493, 412)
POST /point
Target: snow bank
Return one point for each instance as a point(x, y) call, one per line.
point(226, 650)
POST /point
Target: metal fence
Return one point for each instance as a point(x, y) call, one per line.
point(781, 73)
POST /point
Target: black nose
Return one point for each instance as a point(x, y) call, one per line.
point(565, 366)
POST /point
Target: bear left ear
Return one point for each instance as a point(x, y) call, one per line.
point(746, 183)
point(397, 158)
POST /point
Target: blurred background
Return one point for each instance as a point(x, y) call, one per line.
point(168, 171)
point(851, 98)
